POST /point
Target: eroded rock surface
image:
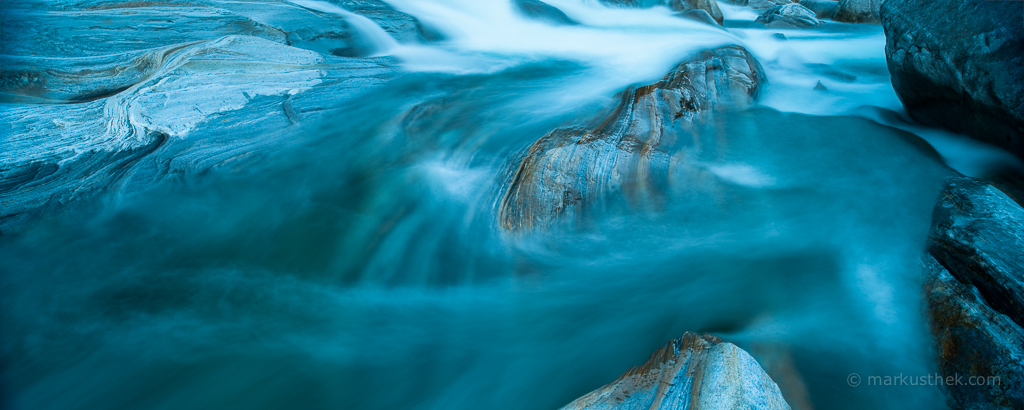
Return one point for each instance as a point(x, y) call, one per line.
point(975, 291)
point(693, 372)
point(624, 152)
point(959, 64)
point(789, 16)
point(108, 95)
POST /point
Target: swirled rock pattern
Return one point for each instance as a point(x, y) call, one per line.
point(692, 372)
point(95, 95)
point(626, 151)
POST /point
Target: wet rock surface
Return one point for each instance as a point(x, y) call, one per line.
point(823, 9)
point(960, 65)
point(625, 150)
point(789, 16)
point(974, 287)
point(107, 96)
point(857, 11)
point(710, 6)
point(692, 372)
point(542, 11)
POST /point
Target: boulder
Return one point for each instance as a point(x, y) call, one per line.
point(823, 9)
point(858, 11)
point(619, 152)
point(762, 5)
point(699, 16)
point(959, 64)
point(540, 10)
point(974, 286)
point(691, 372)
point(791, 15)
point(710, 6)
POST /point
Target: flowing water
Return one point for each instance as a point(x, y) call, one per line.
point(362, 266)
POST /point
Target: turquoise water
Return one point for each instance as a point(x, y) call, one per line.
point(359, 264)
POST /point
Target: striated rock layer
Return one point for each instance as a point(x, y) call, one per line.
point(975, 292)
point(626, 150)
point(693, 372)
point(959, 64)
point(108, 95)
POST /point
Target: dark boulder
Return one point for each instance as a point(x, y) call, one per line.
point(959, 64)
point(857, 11)
point(975, 291)
point(570, 167)
point(540, 10)
point(823, 9)
point(789, 16)
point(691, 372)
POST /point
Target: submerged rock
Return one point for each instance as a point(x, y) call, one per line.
point(959, 64)
point(540, 10)
point(857, 11)
point(975, 291)
point(762, 5)
point(823, 9)
point(789, 16)
point(570, 167)
point(692, 372)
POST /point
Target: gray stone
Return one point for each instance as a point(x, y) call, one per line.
point(692, 372)
point(540, 10)
point(975, 291)
point(858, 11)
point(570, 167)
point(959, 64)
point(789, 16)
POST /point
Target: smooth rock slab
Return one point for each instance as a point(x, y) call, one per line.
point(692, 372)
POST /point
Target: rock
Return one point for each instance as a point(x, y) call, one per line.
point(959, 64)
point(780, 36)
point(540, 10)
point(762, 5)
point(710, 6)
point(571, 167)
point(820, 87)
point(857, 11)
point(789, 16)
point(973, 341)
point(831, 72)
point(823, 9)
point(186, 87)
point(699, 16)
point(975, 291)
point(692, 372)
